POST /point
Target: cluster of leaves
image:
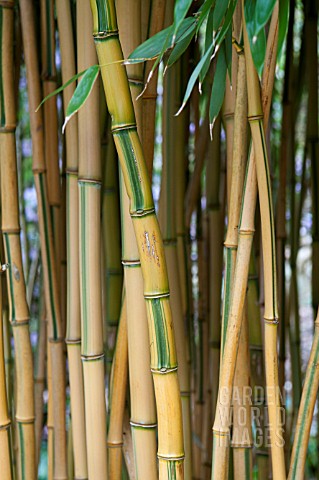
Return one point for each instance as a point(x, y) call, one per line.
point(214, 20)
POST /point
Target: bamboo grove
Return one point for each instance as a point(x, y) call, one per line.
point(159, 256)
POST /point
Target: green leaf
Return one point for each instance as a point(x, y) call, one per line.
point(81, 92)
point(218, 88)
point(195, 75)
point(220, 10)
point(180, 11)
point(283, 24)
point(258, 50)
point(203, 12)
point(257, 14)
point(181, 45)
point(66, 84)
point(208, 42)
point(153, 46)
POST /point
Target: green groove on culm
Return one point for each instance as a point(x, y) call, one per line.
point(171, 470)
point(162, 347)
point(82, 186)
point(11, 297)
point(131, 162)
point(106, 19)
point(2, 113)
point(22, 452)
point(271, 219)
point(227, 295)
point(247, 463)
point(305, 411)
point(47, 247)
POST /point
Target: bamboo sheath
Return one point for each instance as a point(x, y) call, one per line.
point(143, 413)
point(18, 308)
point(118, 384)
point(89, 183)
point(156, 292)
point(73, 331)
point(5, 421)
point(168, 220)
point(246, 229)
point(46, 238)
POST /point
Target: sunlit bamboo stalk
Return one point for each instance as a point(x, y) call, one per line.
point(156, 292)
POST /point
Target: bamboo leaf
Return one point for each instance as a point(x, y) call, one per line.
point(228, 51)
point(263, 11)
point(220, 10)
point(66, 84)
point(180, 11)
point(204, 12)
point(283, 24)
point(81, 93)
point(258, 50)
point(195, 76)
point(181, 45)
point(153, 46)
point(218, 88)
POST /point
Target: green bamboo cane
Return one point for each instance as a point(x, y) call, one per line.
point(89, 184)
point(143, 414)
point(156, 292)
point(5, 421)
point(255, 117)
point(245, 230)
point(73, 332)
point(47, 252)
point(18, 308)
point(305, 414)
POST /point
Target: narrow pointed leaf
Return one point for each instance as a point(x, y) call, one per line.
point(81, 93)
point(258, 50)
point(220, 10)
point(66, 84)
point(204, 12)
point(181, 45)
point(218, 87)
point(180, 11)
point(153, 46)
point(195, 76)
point(228, 52)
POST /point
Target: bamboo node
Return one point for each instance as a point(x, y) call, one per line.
point(143, 425)
point(92, 358)
point(273, 321)
point(170, 459)
point(7, 128)
point(105, 34)
point(238, 47)
point(114, 445)
point(255, 118)
point(164, 370)
point(131, 263)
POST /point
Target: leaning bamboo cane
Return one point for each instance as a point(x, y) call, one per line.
point(89, 183)
point(46, 237)
point(246, 229)
point(5, 421)
point(150, 245)
point(73, 333)
point(305, 414)
point(255, 117)
point(19, 312)
point(143, 414)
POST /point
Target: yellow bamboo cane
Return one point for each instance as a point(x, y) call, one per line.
point(46, 238)
point(89, 182)
point(73, 333)
point(156, 292)
point(18, 308)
